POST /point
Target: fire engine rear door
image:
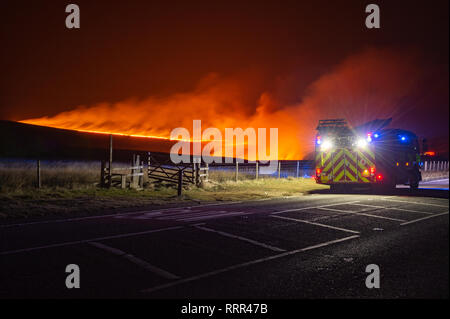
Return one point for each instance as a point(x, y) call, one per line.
point(366, 161)
point(338, 163)
point(351, 165)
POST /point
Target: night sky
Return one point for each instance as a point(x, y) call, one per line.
point(299, 59)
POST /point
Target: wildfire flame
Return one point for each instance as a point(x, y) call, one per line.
point(363, 87)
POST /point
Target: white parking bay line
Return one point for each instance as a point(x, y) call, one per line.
point(221, 215)
point(361, 214)
point(313, 207)
point(246, 264)
point(137, 261)
point(116, 215)
point(423, 218)
point(389, 199)
point(395, 208)
point(251, 241)
point(316, 224)
point(76, 242)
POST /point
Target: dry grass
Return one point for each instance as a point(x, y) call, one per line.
point(254, 189)
point(20, 176)
point(71, 188)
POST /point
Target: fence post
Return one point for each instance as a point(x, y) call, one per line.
point(237, 170)
point(102, 174)
point(110, 160)
point(197, 174)
point(279, 169)
point(123, 181)
point(148, 164)
point(141, 177)
point(207, 172)
point(257, 170)
point(38, 174)
point(180, 182)
point(298, 164)
point(425, 166)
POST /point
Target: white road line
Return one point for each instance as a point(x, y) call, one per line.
point(111, 215)
point(415, 203)
point(395, 208)
point(254, 242)
point(423, 218)
point(206, 217)
point(317, 224)
point(436, 180)
point(142, 263)
point(361, 214)
point(152, 212)
point(246, 264)
point(313, 207)
point(186, 215)
point(69, 243)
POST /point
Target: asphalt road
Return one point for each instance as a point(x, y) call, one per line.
point(436, 184)
point(312, 246)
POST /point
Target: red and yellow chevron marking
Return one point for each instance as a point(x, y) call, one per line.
point(366, 160)
point(339, 166)
point(345, 165)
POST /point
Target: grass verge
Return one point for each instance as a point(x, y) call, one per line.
point(56, 201)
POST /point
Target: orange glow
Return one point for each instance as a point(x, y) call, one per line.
point(238, 102)
point(430, 153)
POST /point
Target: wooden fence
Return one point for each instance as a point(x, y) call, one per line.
point(123, 177)
point(162, 169)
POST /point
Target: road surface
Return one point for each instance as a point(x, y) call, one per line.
point(312, 246)
point(436, 184)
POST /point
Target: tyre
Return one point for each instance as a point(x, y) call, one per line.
point(414, 184)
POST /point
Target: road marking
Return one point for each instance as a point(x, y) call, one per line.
point(361, 214)
point(112, 215)
point(186, 216)
point(423, 218)
point(395, 208)
point(119, 215)
point(69, 243)
point(246, 264)
point(415, 203)
point(313, 207)
point(205, 217)
point(254, 242)
point(141, 263)
point(317, 224)
point(434, 181)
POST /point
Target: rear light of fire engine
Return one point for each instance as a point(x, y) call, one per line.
point(372, 170)
point(379, 177)
point(318, 171)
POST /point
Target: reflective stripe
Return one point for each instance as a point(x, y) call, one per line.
point(338, 178)
point(350, 176)
point(362, 178)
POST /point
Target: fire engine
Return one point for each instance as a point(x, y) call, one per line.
point(370, 155)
